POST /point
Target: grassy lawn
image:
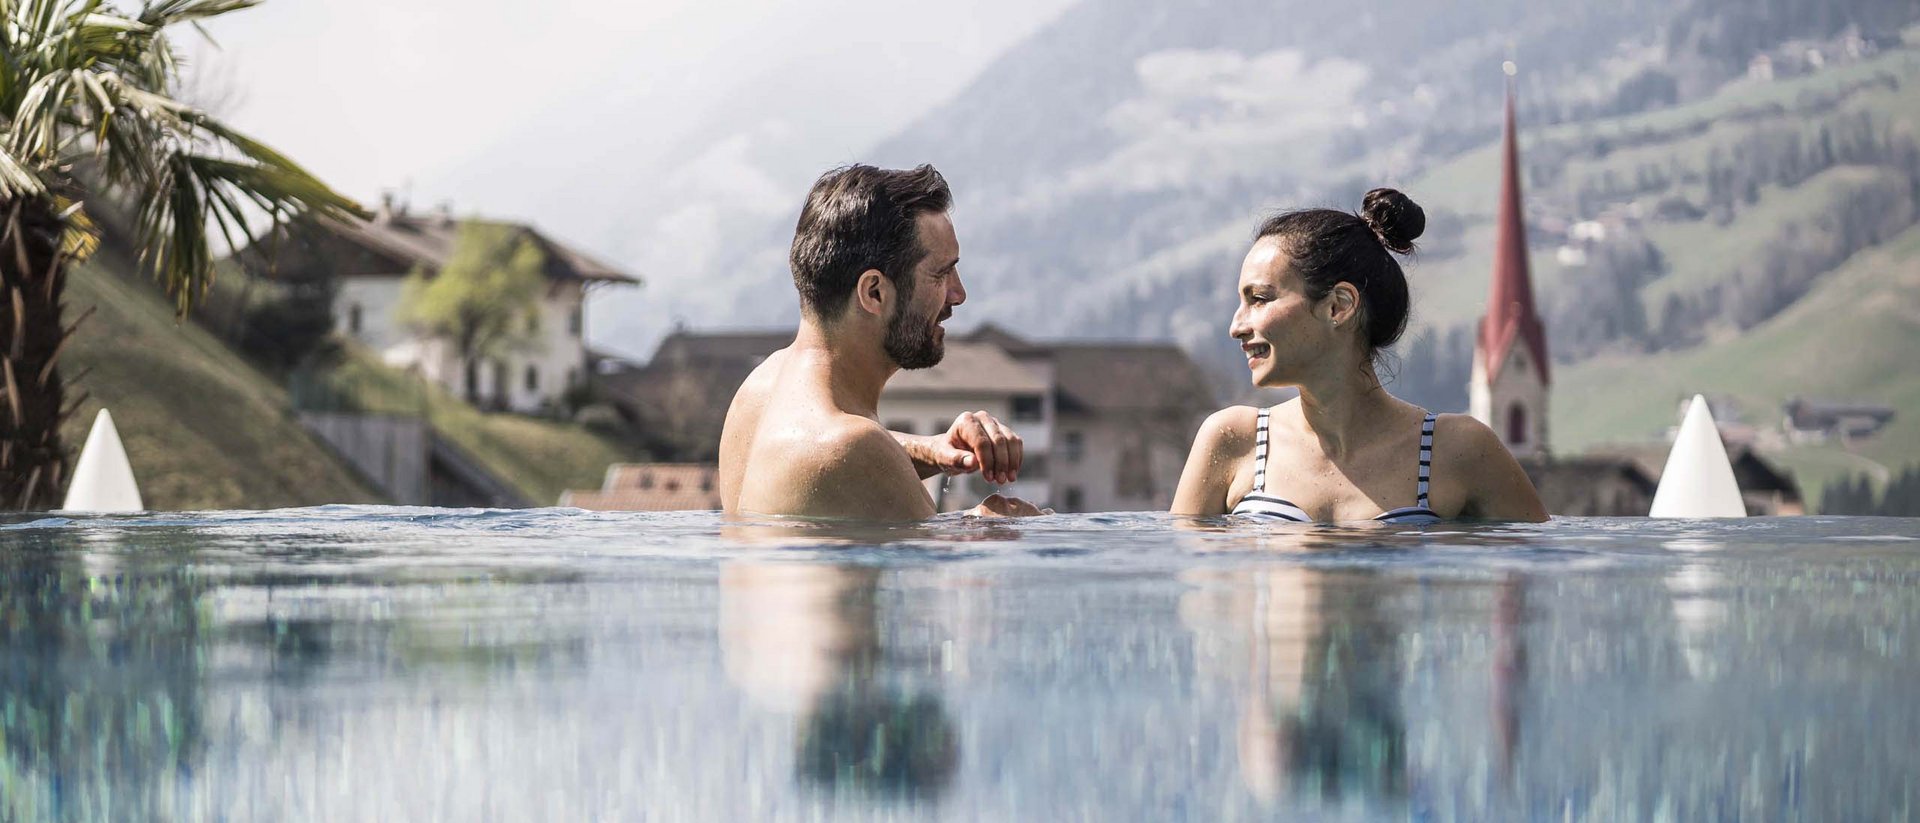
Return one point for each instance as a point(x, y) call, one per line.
point(1854, 336)
point(541, 458)
point(203, 429)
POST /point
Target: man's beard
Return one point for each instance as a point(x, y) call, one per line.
point(912, 344)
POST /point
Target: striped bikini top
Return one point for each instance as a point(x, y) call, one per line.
point(1259, 502)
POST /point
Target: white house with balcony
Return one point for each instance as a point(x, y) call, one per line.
point(370, 262)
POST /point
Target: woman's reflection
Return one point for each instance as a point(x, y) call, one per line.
point(1320, 714)
point(805, 638)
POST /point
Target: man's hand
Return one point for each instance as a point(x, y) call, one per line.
point(975, 442)
point(1002, 506)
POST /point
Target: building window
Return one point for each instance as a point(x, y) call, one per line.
point(1027, 408)
point(533, 378)
point(1071, 499)
point(901, 426)
point(573, 378)
point(353, 319)
point(533, 322)
point(575, 321)
point(499, 382)
point(1516, 425)
point(1072, 444)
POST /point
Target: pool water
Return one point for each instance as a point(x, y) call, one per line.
point(378, 663)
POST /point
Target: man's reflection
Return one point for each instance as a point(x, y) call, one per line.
point(1320, 713)
point(806, 639)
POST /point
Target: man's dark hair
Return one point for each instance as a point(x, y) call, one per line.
point(858, 218)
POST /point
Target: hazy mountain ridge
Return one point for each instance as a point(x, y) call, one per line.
point(1098, 176)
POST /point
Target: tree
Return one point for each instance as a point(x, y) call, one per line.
point(484, 301)
point(87, 100)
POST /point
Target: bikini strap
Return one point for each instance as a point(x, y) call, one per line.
point(1426, 455)
point(1260, 453)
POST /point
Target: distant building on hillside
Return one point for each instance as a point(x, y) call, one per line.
point(1124, 417)
point(677, 401)
point(1815, 420)
point(371, 260)
point(1766, 489)
point(1106, 424)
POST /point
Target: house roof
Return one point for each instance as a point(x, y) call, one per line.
point(1584, 471)
point(968, 368)
point(1750, 470)
point(1127, 376)
point(392, 245)
point(748, 346)
point(1113, 375)
point(1511, 316)
point(1804, 409)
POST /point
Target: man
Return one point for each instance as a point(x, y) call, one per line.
point(876, 263)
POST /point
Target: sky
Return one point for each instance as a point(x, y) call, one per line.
point(648, 134)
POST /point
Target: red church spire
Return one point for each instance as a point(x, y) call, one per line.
point(1510, 313)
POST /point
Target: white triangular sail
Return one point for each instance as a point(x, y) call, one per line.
point(103, 479)
point(1698, 480)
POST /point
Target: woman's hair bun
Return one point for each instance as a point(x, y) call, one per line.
point(1394, 218)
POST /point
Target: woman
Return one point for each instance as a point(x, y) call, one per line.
point(1320, 295)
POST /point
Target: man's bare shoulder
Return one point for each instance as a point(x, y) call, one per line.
point(837, 465)
point(742, 422)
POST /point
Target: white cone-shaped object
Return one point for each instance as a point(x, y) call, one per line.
point(103, 479)
point(1698, 480)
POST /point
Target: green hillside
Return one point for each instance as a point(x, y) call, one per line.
point(205, 429)
point(1679, 145)
point(202, 428)
point(540, 458)
point(1800, 185)
point(1854, 336)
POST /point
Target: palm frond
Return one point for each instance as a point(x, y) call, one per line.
point(169, 12)
point(16, 179)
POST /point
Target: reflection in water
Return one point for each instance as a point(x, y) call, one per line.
point(1509, 669)
point(1322, 714)
point(101, 689)
point(400, 664)
point(806, 639)
point(1322, 679)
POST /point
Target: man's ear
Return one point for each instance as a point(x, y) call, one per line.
point(873, 293)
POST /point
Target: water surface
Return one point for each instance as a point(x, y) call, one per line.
point(379, 663)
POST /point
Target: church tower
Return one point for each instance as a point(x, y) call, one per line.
point(1508, 391)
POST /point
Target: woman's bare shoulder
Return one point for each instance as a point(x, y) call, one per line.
point(1229, 428)
point(1460, 438)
